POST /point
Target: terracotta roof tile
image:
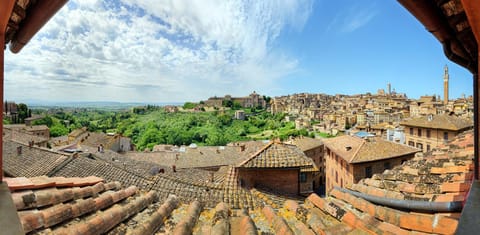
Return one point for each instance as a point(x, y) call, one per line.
point(32, 161)
point(443, 122)
point(185, 226)
point(69, 207)
point(277, 155)
point(356, 150)
point(306, 143)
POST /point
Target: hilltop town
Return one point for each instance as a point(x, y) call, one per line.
point(372, 140)
point(378, 163)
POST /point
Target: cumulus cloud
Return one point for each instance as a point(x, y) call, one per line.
point(151, 51)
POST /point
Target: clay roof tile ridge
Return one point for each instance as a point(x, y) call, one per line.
point(356, 152)
point(256, 154)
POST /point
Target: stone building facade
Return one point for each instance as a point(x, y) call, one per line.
point(281, 167)
point(314, 149)
point(251, 101)
point(349, 159)
point(428, 132)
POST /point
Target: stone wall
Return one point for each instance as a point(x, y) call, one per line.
point(340, 173)
point(282, 180)
point(422, 141)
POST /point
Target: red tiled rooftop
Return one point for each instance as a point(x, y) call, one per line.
point(443, 122)
point(277, 155)
point(356, 150)
point(89, 206)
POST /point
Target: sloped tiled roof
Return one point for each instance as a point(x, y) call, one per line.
point(88, 206)
point(32, 161)
point(306, 143)
point(444, 175)
point(356, 150)
point(199, 157)
point(82, 166)
point(22, 137)
point(443, 122)
point(277, 155)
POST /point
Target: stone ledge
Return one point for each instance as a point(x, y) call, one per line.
point(9, 221)
point(468, 223)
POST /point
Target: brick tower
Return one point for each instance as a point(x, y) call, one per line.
point(445, 85)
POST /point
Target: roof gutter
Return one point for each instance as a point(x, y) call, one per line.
point(410, 205)
point(37, 16)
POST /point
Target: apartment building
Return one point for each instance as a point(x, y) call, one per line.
point(428, 132)
point(348, 159)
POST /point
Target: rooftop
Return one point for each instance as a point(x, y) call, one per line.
point(357, 150)
point(183, 202)
point(306, 143)
point(277, 155)
point(22, 137)
point(443, 122)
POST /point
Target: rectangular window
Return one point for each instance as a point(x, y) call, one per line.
point(420, 146)
point(411, 131)
point(368, 172)
point(411, 143)
point(428, 133)
point(445, 136)
point(303, 177)
point(428, 147)
point(419, 132)
point(336, 177)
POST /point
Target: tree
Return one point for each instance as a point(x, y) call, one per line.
point(225, 119)
point(227, 103)
point(189, 105)
point(236, 105)
point(58, 130)
point(23, 112)
point(47, 120)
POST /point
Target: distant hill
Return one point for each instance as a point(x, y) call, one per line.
point(95, 104)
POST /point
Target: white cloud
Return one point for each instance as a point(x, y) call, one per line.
point(144, 50)
point(352, 18)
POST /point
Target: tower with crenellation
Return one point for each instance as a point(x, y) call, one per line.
point(445, 85)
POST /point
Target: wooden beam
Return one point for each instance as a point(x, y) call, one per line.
point(6, 7)
point(472, 10)
point(473, 15)
point(36, 18)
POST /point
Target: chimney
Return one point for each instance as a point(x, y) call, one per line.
point(174, 168)
point(242, 148)
point(19, 150)
point(348, 148)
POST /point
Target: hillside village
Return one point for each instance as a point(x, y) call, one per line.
point(241, 188)
point(260, 182)
point(375, 148)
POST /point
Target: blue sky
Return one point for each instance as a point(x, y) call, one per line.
point(175, 51)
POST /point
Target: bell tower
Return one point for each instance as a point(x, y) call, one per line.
point(445, 85)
